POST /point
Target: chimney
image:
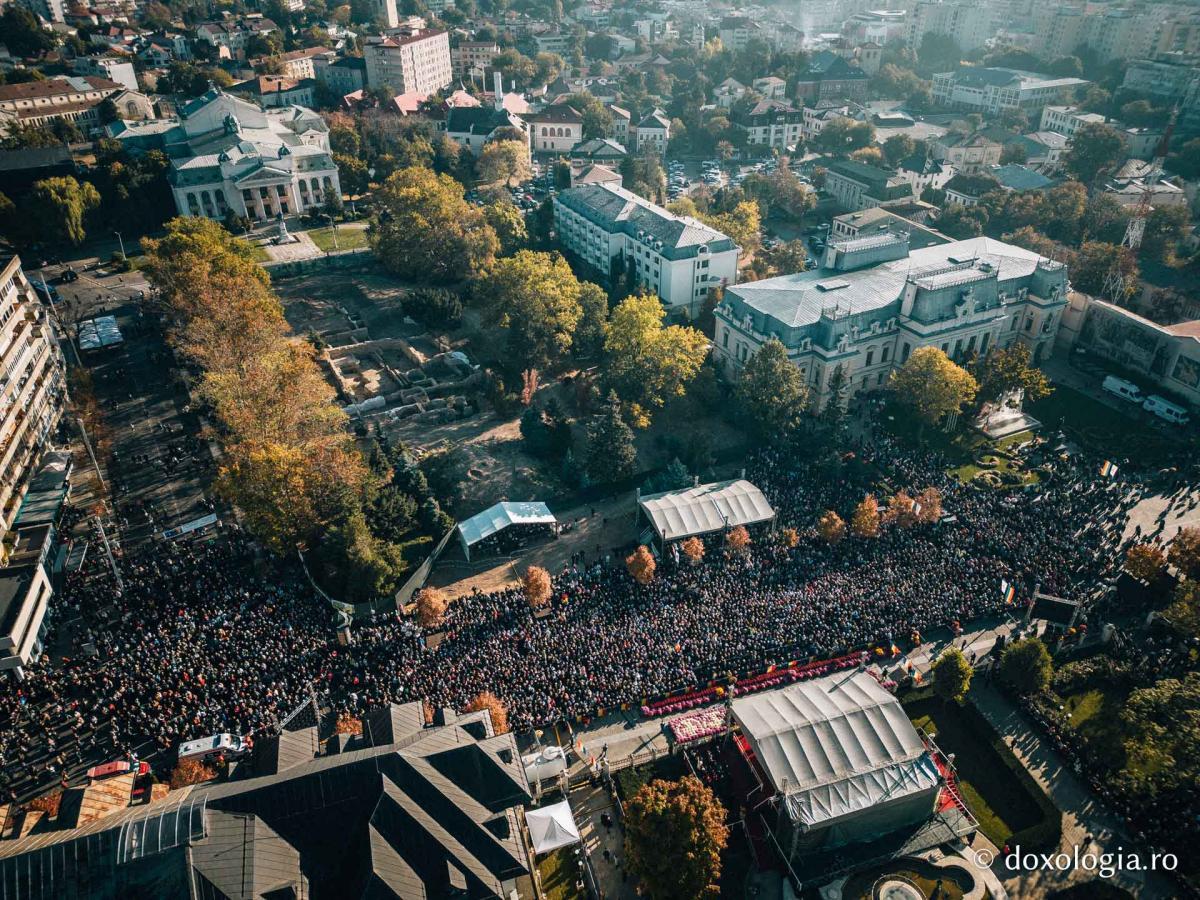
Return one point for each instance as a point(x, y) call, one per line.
point(498, 86)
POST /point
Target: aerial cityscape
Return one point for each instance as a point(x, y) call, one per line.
point(597, 450)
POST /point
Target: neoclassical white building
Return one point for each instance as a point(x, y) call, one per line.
point(228, 155)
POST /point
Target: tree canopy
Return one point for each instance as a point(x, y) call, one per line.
point(771, 393)
point(674, 834)
point(932, 385)
point(534, 297)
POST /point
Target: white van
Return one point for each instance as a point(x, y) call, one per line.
point(1166, 410)
point(1126, 390)
point(229, 745)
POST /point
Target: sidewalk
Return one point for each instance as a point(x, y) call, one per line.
point(1083, 815)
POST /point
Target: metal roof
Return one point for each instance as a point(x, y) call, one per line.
point(706, 508)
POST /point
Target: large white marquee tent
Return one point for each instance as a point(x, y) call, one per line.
point(705, 508)
point(497, 518)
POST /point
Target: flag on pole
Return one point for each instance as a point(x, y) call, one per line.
point(895, 650)
point(1008, 592)
point(916, 508)
point(916, 676)
point(1108, 469)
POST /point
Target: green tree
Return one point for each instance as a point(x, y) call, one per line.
point(771, 392)
point(787, 258)
point(425, 230)
point(1095, 149)
point(1166, 226)
point(352, 173)
point(1026, 665)
point(509, 224)
point(647, 363)
point(596, 117)
point(360, 566)
point(534, 297)
point(611, 454)
point(23, 33)
point(1009, 368)
point(674, 834)
point(1184, 552)
point(842, 137)
point(897, 148)
point(952, 675)
point(742, 224)
point(57, 208)
point(932, 386)
point(503, 162)
point(593, 324)
point(1093, 263)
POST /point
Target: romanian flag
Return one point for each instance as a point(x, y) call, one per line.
point(1008, 592)
point(1108, 469)
point(916, 677)
point(895, 650)
point(770, 669)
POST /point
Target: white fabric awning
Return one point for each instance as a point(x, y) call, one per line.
point(835, 745)
point(552, 827)
point(99, 332)
point(706, 508)
point(497, 518)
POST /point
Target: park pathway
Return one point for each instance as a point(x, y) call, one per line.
point(1083, 815)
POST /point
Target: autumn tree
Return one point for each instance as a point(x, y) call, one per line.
point(901, 510)
point(952, 675)
point(641, 565)
point(771, 393)
point(674, 834)
point(930, 503)
point(646, 362)
point(611, 453)
point(1184, 552)
point(790, 537)
point(191, 771)
point(738, 539)
point(1145, 561)
point(503, 162)
point(495, 707)
point(1010, 368)
point(866, 518)
point(693, 549)
point(425, 231)
point(534, 298)
point(536, 584)
point(831, 527)
point(932, 385)
point(743, 224)
point(431, 607)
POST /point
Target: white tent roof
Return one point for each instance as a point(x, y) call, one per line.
point(552, 827)
point(705, 508)
point(99, 332)
point(835, 746)
point(498, 517)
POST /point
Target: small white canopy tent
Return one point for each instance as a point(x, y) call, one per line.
point(552, 827)
point(496, 518)
point(705, 508)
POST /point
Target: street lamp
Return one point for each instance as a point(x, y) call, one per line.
point(333, 225)
point(121, 241)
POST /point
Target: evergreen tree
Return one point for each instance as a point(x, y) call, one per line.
point(611, 452)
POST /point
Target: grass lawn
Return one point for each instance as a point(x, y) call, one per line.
point(1096, 714)
point(926, 877)
point(998, 800)
point(559, 873)
point(347, 238)
point(260, 254)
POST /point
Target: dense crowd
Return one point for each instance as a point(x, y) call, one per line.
point(198, 645)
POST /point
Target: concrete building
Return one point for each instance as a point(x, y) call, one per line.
point(473, 127)
point(386, 14)
point(771, 123)
point(76, 98)
point(342, 76)
point(830, 77)
point(230, 37)
point(228, 155)
point(856, 185)
point(653, 133)
point(111, 68)
point(409, 62)
point(50, 10)
point(1066, 120)
point(677, 257)
point(971, 23)
point(873, 301)
point(737, 31)
point(298, 64)
point(769, 87)
point(992, 91)
point(271, 91)
point(556, 129)
point(473, 58)
point(728, 92)
point(967, 153)
point(876, 221)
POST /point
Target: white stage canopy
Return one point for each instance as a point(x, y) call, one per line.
point(95, 334)
point(552, 827)
point(706, 508)
point(496, 518)
point(836, 746)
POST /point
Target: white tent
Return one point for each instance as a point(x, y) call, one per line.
point(837, 747)
point(705, 508)
point(95, 334)
point(552, 827)
point(497, 518)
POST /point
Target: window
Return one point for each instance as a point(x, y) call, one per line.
point(946, 349)
point(971, 344)
point(887, 351)
point(1029, 324)
point(907, 350)
point(983, 344)
point(725, 341)
point(870, 356)
point(879, 379)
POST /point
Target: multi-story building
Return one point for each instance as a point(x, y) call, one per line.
point(653, 133)
point(556, 129)
point(971, 23)
point(770, 87)
point(679, 258)
point(472, 58)
point(228, 155)
point(554, 41)
point(1066, 120)
point(111, 68)
point(474, 127)
point(737, 31)
point(386, 13)
point(409, 62)
point(343, 75)
point(1179, 35)
point(876, 26)
point(230, 38)
point(729, 92)
point(76, 98)
point(992, 91)
point(271, 91)
point(830, 77)
point(1111, 33)
point(50, 10)
point(771, 123)
point(298, 64)
point(32, 387)
point(873, 301)
point(855, 185)
point(967, 153)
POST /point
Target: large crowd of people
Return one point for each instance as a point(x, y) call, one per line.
point(198, 644)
